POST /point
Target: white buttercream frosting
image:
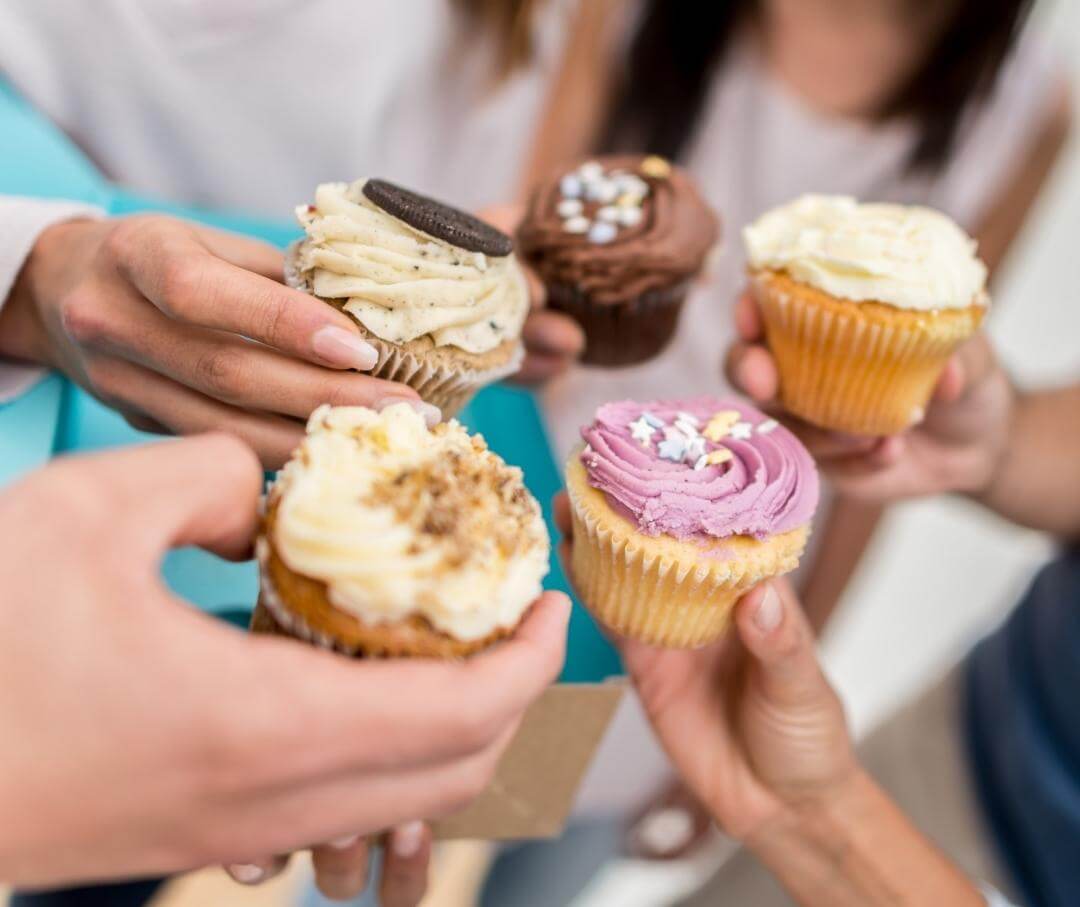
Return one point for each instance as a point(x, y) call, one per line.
point(907, 256)
point(401, 283)
point(400, 520)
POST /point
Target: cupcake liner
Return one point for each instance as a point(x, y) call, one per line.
point(448, 387)
point(634, 586)
point(856, 367)
point(621, 333)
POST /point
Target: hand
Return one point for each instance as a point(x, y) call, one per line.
point(553, 341)
point(156, 318)
point(956, 448)
point(750, 723)
point(142, 737)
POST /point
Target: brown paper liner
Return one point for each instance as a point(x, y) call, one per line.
point(861, 367)
point(659, 590)
point(447, 385)
point(621, 333)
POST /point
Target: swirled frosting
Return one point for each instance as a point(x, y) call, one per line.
point(700, 469)
point(665, 245)
point(907, 256)
point(397, 519)
point(401, 283)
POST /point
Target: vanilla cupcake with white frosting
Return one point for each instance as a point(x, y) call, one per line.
point(384, 537)
point(437, 292)
point(863, 304)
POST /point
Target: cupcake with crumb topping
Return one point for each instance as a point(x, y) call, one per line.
point(383, 537)
point(436, 291)
point(679, 508)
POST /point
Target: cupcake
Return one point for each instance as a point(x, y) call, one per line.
point(438, 293)
point(384, 538)
point(617, 243)
point(679, 507)
point(863, 304)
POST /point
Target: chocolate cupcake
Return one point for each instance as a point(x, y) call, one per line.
point(617, 242)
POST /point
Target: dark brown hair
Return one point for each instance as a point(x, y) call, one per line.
point(678, 45)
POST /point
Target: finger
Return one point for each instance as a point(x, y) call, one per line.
point(186, 281)
point(185, 412)
point(538, 369)
point(406, 859)
point(200, 491)
point(560, 509)
point(341, 867)
point(748, 321)
point(951, 383)
point(751, 369)
point(244, 252)
point(553, 334)
point(774, 629)
point(257, 871)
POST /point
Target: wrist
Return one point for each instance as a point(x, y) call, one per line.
point(998, 458)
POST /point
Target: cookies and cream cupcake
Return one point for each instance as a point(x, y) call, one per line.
point(679, 508)
point(617, 242)
point(384, 537)
point(436, 291)
point(863, 304)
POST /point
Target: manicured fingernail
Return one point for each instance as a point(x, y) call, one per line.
point(247, 873)
point(344, 842)
point(406, 840)
point(769, 611)
point(432, 414)
point(344, 349)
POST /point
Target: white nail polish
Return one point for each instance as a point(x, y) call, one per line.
point(406, 840)
point(432, 414)
point(769, 611)
point(344, 349)
point(247, 873)
point(344, 842)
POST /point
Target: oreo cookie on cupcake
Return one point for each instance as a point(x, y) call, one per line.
point(436, 291)
point(679, 508)
point(383, 537)
point(617, 242)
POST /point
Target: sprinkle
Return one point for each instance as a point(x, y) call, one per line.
point(684, 416)
point(591, 170)
point(687, 428)
point(602, 191)
point(720, 424)
point(767, 426)
point(642, 431)
point(701, 463)
point(631, 184)
point(577, 225)
point(608, 214)
point(602, 232)
point(673, 449)
point(652, 420)
point(570, 207)
point(741, 431)
point(629, 217)
point(695, 449)
point(656, 167)
point(571, 186)
point(716, 457)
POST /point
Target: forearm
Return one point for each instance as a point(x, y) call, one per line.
point(1037, 482)
point(858, 849)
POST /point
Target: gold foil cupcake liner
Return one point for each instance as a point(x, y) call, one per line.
point(447, 387)
point(867, 373)
point(634, 586)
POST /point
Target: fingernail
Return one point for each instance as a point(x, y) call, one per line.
point(432, 414)
point(344, 349)
point(665, 831)
point(769, 611)
point(344, 842)
point(247, 873)
point(406, 840)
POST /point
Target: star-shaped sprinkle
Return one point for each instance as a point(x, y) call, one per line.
point(672, 448)
point(654, 421)
point(642, 431)
point(716, 457)
point(701, 463)
point(720, 424)
point(684, 416)
point(741, 431)
point(767, 426)
point(695, 448)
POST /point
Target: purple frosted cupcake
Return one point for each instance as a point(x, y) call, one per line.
point(679, 508)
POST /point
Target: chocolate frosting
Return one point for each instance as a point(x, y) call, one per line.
point(667, 246)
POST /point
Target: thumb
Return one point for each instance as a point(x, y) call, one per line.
point(774, 629)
